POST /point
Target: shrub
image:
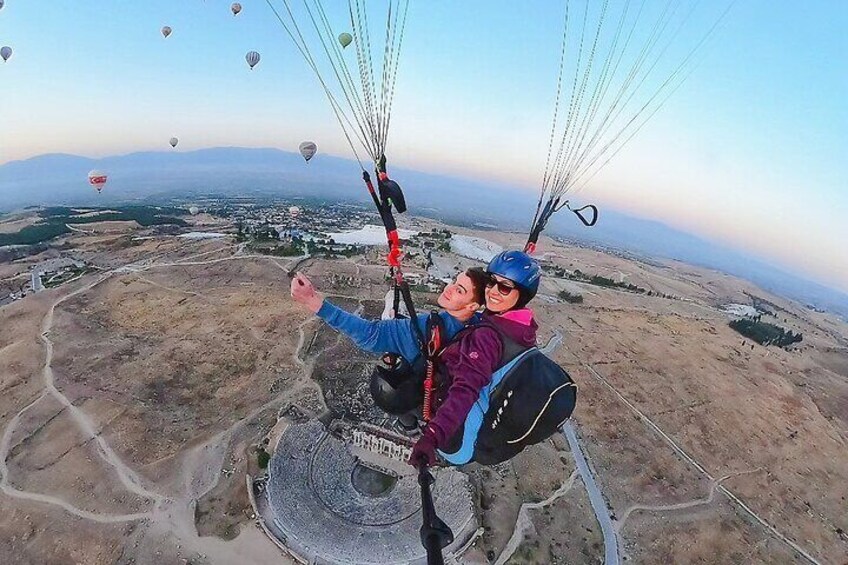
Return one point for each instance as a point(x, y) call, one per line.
point(571, 298)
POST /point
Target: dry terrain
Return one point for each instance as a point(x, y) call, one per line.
point(133, 399)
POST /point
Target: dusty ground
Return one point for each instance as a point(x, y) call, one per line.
point(157, 404)
point(15, 224)
point(525, 519)
point(170, 363)
point(775, 418)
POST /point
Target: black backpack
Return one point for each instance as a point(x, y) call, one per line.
point(528, 400)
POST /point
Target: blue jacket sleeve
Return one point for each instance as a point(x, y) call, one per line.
point(375, 336)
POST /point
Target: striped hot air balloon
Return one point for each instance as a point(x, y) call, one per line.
point(252, 58)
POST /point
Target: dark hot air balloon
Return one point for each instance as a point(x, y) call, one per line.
point(308, 150)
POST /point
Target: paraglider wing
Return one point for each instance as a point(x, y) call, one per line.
point(174, 141)
point(252, 58)
point(308, 150)
point(97, 179)
point(345, 39)
point(5, 53)
point(166, 31)
point(236, 8)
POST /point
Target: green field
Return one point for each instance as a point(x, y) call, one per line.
point(54, 221)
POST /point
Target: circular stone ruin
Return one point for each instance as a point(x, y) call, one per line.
point(331, 506)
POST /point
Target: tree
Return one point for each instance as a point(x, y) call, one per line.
point(262, 457)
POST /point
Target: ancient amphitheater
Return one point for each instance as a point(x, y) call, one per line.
point(328, 503)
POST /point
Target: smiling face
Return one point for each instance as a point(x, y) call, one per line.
point(458, 298)
point(501, 294)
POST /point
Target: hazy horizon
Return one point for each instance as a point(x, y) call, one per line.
point(156, 177)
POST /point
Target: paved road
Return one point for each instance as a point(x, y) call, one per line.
point(599, 505)
point(611, 556)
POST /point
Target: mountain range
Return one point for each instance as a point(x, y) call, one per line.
point(58, 179)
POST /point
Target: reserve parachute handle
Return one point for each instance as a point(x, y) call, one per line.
point(578, 212)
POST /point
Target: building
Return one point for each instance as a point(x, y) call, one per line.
point(35, 281)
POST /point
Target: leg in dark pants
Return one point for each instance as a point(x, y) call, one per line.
point(399, 391)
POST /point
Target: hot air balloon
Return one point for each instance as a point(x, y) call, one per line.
point(294, 211)
point(97, 179)
point(193, 210)
point(5, 53)
point(166, 31)
point(308, 150)
point(252, 58)
point(236, 8)
point(345, 39)
point(174, 141)
point(2, 3)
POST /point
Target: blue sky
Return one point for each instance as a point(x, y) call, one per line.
point(750, 151)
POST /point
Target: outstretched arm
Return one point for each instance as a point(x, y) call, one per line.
point(383, 336)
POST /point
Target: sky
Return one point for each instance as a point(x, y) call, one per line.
point(750, 151)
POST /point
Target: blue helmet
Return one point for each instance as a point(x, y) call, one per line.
point(518, 267)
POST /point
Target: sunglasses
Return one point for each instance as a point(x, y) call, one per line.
point(503, 288)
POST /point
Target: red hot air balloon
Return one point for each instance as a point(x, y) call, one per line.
point(97, 179)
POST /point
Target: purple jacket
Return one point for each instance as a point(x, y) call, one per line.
point(468, 364)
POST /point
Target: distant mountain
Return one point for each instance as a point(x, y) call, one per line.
point(62, 179)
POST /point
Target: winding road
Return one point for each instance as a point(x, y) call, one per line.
point(596, 499)
point(681, 505)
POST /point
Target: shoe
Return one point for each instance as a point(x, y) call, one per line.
point(410, 431)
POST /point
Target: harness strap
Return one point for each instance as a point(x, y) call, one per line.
point(396, 301)
point(434, 347)
point(402, 288)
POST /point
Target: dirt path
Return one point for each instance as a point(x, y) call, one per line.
point(170, 518)
point(127, 476)
point(524, 522)
point(681, 505)
point(692, 461)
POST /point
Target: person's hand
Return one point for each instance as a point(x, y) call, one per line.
point(303, 292)
point(424, 450)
